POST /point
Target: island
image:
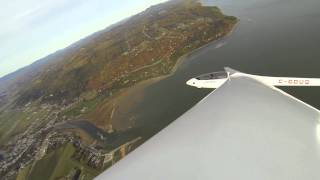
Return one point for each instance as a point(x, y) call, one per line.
point(58, 115)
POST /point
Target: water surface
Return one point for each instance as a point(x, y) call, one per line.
point(273, 37)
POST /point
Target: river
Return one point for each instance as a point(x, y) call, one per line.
point(273, 37)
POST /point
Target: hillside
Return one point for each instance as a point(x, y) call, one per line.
point(106, 60)
point(70, 96)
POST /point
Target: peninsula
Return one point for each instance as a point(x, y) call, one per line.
point(58, 116)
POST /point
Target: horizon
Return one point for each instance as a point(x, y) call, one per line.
point(55, 25)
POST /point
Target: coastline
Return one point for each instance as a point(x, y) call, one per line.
point(119, 106)
point(180, 61)
point(127, 98)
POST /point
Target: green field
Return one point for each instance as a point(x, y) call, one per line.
point(55, 165)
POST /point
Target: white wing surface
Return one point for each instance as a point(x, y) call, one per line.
point(244, 130)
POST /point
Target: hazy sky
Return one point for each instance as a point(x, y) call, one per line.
point(32, 29)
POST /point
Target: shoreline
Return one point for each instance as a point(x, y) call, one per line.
point(181, 60)
point(135, 93)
